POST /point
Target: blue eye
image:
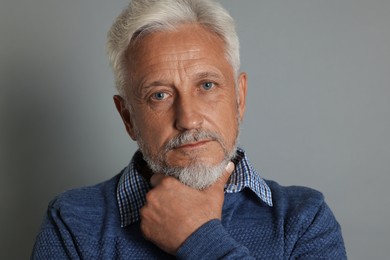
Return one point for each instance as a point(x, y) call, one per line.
point(207, 85)
point(159, 95)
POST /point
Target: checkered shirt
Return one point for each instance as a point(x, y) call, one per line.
point(132, 187)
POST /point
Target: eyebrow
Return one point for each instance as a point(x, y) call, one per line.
point(155, 84)
point(197, 77)
point(207, 74)
point(142, 88)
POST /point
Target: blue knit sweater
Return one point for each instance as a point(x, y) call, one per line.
point(85, 224)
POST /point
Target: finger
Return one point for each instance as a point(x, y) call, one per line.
point(156, 179)
point(228, 172)
point(220, 183)
point(229, 168)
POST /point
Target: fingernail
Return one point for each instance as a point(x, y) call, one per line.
point(229, 167)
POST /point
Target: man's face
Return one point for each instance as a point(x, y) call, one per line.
point(185, 109)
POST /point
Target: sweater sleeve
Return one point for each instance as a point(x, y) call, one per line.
point(212, 241)
point(54, 240)
point(320, 238)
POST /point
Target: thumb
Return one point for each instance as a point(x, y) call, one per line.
point(156, 179)
point(220, 183)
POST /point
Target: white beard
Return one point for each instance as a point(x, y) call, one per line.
point(196, 175)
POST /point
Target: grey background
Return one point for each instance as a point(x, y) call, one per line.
point(317, 115)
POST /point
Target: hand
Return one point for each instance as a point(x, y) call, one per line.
point(173, 211)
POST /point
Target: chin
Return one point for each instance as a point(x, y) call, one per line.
point(197, 175)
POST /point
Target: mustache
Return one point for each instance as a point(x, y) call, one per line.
point(192, 136)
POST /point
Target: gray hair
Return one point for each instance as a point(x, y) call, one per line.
point(143, 17)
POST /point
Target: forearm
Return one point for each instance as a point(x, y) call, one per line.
point(212, 241)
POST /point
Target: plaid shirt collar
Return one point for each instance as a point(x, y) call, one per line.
point(132, 186)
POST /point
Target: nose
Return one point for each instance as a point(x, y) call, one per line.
point(187, 113)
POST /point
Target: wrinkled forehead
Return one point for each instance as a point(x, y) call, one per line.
point(188, 46)
point(184, 38)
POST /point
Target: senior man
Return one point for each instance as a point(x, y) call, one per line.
point(188, 191)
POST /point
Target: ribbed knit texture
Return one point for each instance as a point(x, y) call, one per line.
point(85, 224)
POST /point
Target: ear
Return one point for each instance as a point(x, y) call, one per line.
point(242, 90)
point(124, 112)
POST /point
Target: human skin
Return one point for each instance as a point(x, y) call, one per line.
point(182, 81)
point(173, 211)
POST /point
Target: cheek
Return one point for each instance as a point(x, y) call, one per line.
point(154, 129)
point(222, 117)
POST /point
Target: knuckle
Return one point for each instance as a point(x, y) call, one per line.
point(142, 213)
point(168, 182)
point(151, 196)
point(144, 230)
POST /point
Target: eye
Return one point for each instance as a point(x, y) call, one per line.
point(208, 85)
point(159, 96)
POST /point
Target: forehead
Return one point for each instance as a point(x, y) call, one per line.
point(188, 46)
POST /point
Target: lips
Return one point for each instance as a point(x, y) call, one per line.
point(193, 145)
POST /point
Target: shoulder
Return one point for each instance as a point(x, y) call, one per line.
point(294, 193)
point(74, 221)
point(84, 196)
point(296, 201)
point(308, 222)
point(86, 203)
